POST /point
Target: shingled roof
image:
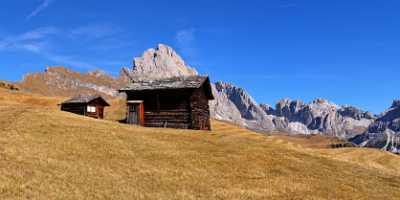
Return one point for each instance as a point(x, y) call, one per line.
point(190, 82)
point(83, 99)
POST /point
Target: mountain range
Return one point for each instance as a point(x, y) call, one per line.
point(232, 103)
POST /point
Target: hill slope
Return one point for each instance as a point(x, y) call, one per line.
point(48, 154)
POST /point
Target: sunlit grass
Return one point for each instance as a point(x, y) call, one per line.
point(49, 154)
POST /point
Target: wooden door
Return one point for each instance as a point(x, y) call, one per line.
point(133, 114)
point(100, 112)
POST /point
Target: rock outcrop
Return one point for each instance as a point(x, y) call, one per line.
point(161, 62)
point(384, 133)
point(234, 104)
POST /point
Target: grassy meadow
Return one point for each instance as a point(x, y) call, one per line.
point(49, 154)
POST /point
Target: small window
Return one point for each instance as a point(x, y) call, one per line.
point(91, 109)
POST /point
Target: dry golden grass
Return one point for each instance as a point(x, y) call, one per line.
point(48, 154)
point(117, 110)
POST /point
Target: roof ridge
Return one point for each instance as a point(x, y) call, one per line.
point(167, 83)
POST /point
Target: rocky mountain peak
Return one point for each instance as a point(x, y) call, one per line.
point(97, 73)
point(396, 103)
point(160, 62)
point(268, 109)
point(245, 103)
point(320, 101)
point(287, 107)
point(384, 132)
point(322, 106)
point(221, 85)
point(324, 102)
point(57, 69)
point(355, 113)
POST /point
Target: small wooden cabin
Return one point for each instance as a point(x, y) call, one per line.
point(180, 102)
point(87, 105)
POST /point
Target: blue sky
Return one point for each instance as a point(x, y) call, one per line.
point(345, 51)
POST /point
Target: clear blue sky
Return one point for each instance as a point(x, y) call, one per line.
point(347, 51)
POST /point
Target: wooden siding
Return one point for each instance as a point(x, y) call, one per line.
point(81, 108)
point(200, 110)
point(180, 108)
point(168, 109)
point(74, 108)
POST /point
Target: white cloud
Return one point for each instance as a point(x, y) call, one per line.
point(33, 40)
point(185, 37)
point(37, 41)
point(39, 8)
point(186, 42)
point(45, 42)
point(94, 31)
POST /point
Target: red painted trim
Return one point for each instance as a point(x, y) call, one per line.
point(141, 107)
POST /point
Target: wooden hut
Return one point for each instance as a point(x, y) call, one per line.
point(180, 102)
point(87, 105)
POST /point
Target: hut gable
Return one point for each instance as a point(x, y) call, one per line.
point(85, 99)
point(87, 105)
point(175, 83)
point(180, 102)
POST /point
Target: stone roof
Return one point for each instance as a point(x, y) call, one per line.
point(169, 83)
point(189, 82)
point(83, 99)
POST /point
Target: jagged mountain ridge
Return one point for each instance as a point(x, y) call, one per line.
point(323, 116)
point(293, 116)
point(384, 132)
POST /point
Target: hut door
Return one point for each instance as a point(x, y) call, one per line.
point(133, 116)
point(135, 113)
point(100, 111)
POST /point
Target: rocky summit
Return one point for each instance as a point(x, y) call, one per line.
point(161, 62)
point(384, 132)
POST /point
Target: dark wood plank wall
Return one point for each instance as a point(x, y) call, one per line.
point(187, 109)
point(170, 109)
point(200, 111)
point(99, 114)
point(81, 109)
point(74, 108)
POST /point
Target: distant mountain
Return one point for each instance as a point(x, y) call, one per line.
point(319, 117)
point(232, 103)
point(325, 117)
point(384, 133)
point(61, 81)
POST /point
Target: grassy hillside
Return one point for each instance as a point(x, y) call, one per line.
point(48, 154)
